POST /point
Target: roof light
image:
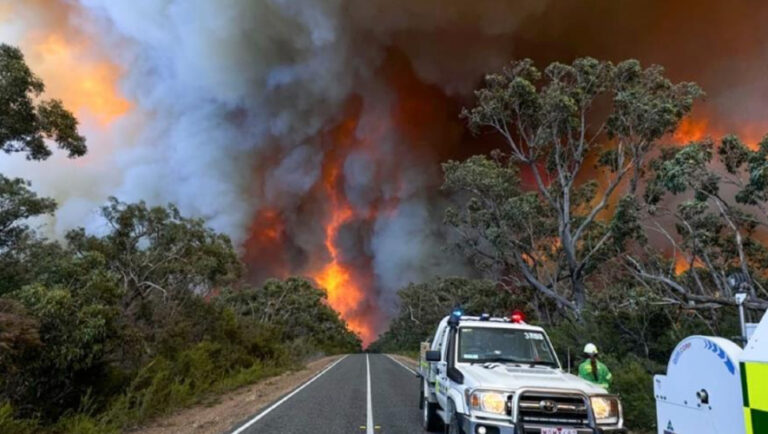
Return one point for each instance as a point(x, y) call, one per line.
point(455, 317)
point(517, 317)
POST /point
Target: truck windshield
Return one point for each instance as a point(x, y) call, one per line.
point(485, 344)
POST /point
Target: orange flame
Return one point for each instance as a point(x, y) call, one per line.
point(345, 286)
point(683, 264)
point(344, 294)
point(73, 69)
point(691, 130)
point(89, 86)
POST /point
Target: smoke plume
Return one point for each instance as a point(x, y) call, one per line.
point(311, 131)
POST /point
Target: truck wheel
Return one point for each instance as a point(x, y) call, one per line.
point(430, 419)
point(454, 427)
point(422, 394)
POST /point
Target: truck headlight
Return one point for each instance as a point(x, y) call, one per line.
point(488, 401)
point(606, 409)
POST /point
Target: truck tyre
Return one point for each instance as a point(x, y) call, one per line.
point(422, 394)
point(430, 420)
point(453, 427)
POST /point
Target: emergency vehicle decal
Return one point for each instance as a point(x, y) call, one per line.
point(720, 353)
point(754, 387)
point(679, 353)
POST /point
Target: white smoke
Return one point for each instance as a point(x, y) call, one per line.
point(231, 96)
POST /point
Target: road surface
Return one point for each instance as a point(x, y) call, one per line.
point(359, 393)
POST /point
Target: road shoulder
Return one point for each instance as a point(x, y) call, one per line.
point(407, 361)
point(235, 406)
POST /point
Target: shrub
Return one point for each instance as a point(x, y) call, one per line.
point(10, 425)
point(633, 381)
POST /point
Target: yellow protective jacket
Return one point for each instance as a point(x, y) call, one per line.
point(604, 376)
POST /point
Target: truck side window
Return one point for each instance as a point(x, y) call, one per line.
point(439, 341)
point(443, 346)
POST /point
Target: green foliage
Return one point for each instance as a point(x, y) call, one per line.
point(27, 122)
point(156, 252)
point(625, 223)
point(10, 424)
point(423, 305)
point(166, 384)
point(633, 381)
point(497, 220)
point(102, 332)
point(717, 233)
point(17, 204)
point(298, 310)
point(108, 331)
point(553, 121)
point(74, 333)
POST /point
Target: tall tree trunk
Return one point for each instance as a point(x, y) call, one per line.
point(579, 292)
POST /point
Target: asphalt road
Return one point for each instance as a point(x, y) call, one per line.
point(361, 393)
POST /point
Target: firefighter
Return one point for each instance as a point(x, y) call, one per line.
point(594, 370)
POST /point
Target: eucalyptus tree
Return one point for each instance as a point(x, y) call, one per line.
point(26, 121)
point(561, 195)
point(27, 124)
point(716, 194)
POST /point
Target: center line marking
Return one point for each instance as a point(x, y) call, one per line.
point(369, 419)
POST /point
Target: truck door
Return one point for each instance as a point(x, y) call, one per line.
point(441, 376)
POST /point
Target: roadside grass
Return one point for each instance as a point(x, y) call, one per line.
point(10, 425)
point(413, 355)
point(164, 386)
point(160, 387)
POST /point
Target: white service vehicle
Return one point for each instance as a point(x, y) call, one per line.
point(483, 375)
point(713, 386)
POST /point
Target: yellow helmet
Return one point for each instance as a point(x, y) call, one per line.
point(590, 349)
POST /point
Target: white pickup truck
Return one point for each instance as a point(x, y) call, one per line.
point(483, 375)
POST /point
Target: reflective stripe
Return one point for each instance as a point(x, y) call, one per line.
point(754, 382)
point(757, 382)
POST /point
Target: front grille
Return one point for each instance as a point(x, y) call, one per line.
point(541, 408)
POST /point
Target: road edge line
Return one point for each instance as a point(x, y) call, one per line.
point(402, 364)
point(285, 398)
point(369, 410)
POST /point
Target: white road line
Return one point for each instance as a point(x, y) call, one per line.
point(402, 364)
point(369, 411)
point(287, 397)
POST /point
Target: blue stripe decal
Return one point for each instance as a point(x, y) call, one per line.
point(720, 353)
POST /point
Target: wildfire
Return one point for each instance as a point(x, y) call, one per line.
point(344, 294)
point(691, 130)
point(683, 264)
point(89, 85)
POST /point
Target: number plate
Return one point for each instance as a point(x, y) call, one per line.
point(558, 431)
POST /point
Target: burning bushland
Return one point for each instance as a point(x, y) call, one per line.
point(312, 132)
